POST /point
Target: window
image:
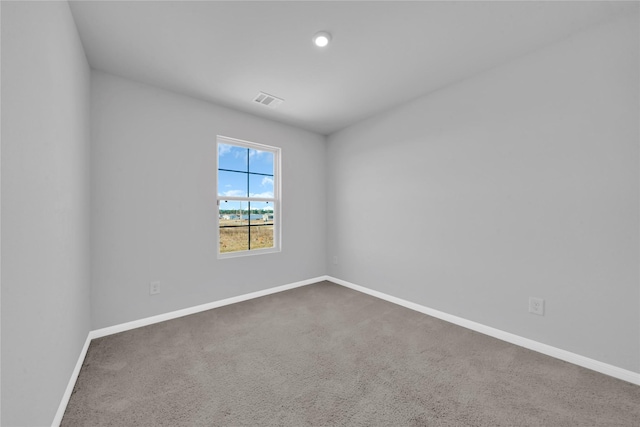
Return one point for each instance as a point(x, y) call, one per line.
point(248, 198)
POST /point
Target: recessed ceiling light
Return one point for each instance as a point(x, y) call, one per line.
point(321, 39)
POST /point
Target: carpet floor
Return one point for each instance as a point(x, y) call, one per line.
point(325, 355)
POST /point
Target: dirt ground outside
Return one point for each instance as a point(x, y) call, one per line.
point(234, 235)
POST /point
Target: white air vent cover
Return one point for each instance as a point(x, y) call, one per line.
point(268, 100)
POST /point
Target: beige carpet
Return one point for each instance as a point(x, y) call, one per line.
point(325, 355)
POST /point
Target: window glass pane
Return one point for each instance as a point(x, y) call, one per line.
point(233, 212)
point(233, 239)
point(261, 225)
point(232, 184)
point(232, 157)
point(234, 230)
point(261, 237)
point(260, 186)
point(261, 213)
point(260, 161)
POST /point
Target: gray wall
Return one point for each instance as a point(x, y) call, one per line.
point(522, 181)
point(153, 202)
point(45, 208)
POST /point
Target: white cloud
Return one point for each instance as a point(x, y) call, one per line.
point(257, 153)
point(223, 149)
point(266, 195)
point(267, 180)
point(234, 193)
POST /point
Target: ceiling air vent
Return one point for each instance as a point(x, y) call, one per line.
point(268, 100)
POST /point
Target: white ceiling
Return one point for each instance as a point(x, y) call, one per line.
point(382, 54)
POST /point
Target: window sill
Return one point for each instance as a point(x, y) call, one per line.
point(248, 253)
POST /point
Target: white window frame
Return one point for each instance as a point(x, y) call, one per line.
point(276, 200)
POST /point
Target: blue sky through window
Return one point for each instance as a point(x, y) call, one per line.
point(246, 162)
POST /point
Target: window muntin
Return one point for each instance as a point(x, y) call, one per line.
point(247, 198)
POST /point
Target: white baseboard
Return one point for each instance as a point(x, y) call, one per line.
point(98, 333)
point(72, 383)
point(567, 356)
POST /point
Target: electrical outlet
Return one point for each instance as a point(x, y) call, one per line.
point(154, 288)
point(536, 306)
point(335, 259)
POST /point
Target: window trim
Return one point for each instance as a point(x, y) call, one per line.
point(276, 200)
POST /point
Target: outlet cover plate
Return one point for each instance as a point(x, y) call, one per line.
point(154, 288)
point(536, 306)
